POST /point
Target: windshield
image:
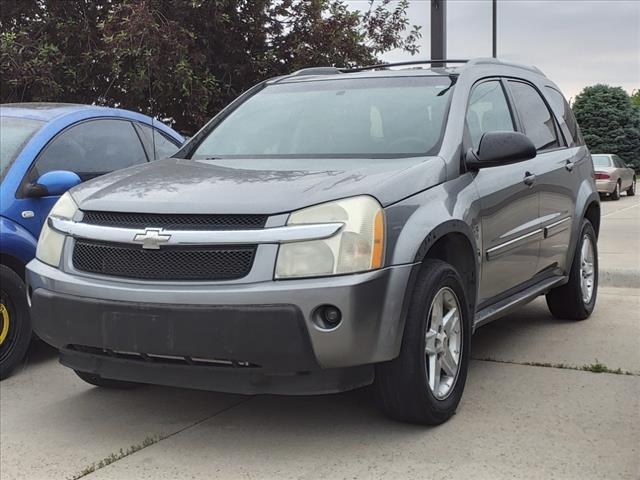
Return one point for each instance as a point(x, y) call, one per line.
point(601, 160)
point(14, 134)
point(370, 117)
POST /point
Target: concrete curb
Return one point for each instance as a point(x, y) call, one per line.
point(619, 277)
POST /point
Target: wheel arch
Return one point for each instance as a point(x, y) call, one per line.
point(453, 242)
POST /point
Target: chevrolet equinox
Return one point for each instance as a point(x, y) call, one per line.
point(328, 230)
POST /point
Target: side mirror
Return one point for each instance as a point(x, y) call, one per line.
point(53, 183)
point(500, 148)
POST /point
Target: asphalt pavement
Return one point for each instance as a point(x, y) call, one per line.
point(544, 399)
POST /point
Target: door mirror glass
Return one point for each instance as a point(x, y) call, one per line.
point(500, 148)
point(53, 183)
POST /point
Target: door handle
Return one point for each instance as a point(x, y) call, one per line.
point(569, 165)
point(529, 178)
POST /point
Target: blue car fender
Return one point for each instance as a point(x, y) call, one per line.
point(16, 242)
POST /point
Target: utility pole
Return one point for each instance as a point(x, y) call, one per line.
point(494, 27)
point(439, 31)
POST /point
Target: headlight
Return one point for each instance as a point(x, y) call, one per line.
point(50, 242)
point(358, 247)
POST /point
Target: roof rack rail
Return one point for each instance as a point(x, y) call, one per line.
point(316, 71)
point(402, 64)
point(490, 60)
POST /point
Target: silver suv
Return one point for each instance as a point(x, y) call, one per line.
point(328, 230)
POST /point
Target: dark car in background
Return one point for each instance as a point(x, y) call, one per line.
point(46, 148)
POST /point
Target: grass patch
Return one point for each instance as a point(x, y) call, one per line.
point(596, 367)
point(114, 457)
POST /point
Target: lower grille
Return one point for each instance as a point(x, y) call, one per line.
point(167, 263)
point(162, 359)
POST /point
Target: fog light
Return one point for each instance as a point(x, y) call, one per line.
point(327, 317)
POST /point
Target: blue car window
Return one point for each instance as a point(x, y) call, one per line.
point(92, 148)
point(14, 134)
point(164, 146)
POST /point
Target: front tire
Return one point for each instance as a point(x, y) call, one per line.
point(424, 384)
point(577, 298)
point(631, 191)
point(98, 381)
point(15, 324)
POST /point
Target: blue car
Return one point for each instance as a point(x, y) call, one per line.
point(45, 149)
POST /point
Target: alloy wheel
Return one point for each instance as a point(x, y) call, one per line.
point(587, 269)
point(443, 343)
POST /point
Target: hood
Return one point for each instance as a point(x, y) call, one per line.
point(266, 186)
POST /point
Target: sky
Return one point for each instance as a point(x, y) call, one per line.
point(574, 42)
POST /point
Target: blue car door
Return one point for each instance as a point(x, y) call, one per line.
point(90, 148)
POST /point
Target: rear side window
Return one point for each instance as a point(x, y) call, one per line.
point(488, 111)
point(93, 148)
point(618, 162)
point(561, 106)
point(537, 120)
point(164, 147)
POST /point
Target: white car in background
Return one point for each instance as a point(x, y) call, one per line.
point(613, 176)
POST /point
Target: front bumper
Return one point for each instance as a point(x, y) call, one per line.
point(264, 330)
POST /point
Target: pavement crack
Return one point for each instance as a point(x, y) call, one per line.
point(148, 441)
point(596, 367)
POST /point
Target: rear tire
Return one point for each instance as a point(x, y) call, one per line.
point(406, 387)
point(631, 191)
point(615, 195)
point(99, 381)
point(15, 324)
point(573, 301)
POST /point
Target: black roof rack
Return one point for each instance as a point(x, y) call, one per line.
point(402, 64)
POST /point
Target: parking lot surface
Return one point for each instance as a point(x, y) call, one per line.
point(535, 406)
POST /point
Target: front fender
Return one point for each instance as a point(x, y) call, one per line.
point(16, 241)
point(416, 223)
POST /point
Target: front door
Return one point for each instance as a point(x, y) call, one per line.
point(509, 200)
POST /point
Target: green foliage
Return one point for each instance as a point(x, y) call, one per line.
point(635, 98)
point(193, 55)
point(610, 123)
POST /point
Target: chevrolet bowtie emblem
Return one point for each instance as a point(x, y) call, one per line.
point(152, 238)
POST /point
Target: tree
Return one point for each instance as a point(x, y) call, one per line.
point(635, 98)
point(609, 122)
point(182, 59)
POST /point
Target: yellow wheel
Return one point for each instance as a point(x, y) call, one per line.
point(4, 323)
point(15, 324)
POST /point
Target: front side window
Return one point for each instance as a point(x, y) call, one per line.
point(601, 160)
point(363, 117)
point(14, 134)
point(92, 148)
point(488, 111)
point(537, 120)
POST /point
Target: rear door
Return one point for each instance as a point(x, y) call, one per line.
point(626, 174)
point(509, 201)
point(558, 180)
